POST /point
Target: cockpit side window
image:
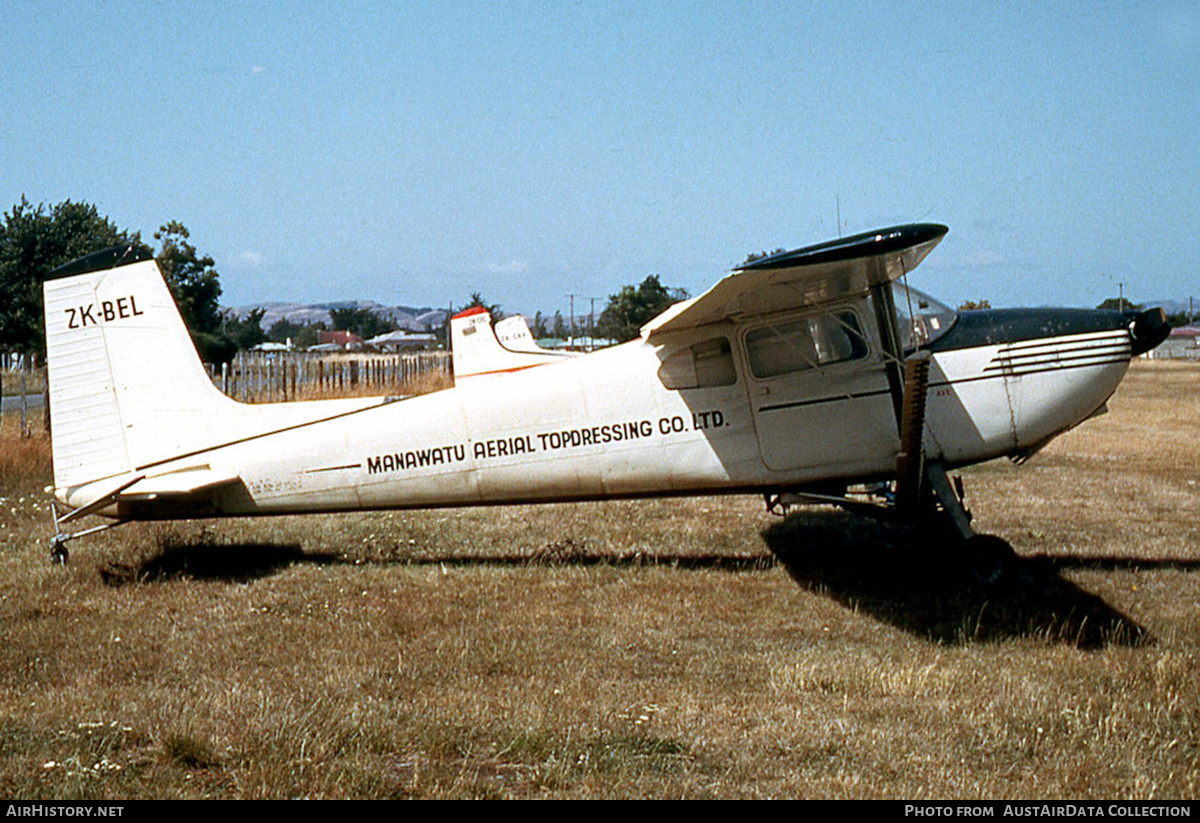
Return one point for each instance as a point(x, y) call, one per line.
point(706, 364)
point(922, 319)
point(805, 343)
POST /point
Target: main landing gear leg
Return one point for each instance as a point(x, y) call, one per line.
point(990, 558)
point(949, 498)
point(922, 488)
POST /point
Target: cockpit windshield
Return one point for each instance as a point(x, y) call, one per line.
point(922, 318)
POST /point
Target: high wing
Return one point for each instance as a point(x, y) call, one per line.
point(809, 276)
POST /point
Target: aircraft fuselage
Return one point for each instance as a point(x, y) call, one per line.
point(782, 377)
point(608, 425)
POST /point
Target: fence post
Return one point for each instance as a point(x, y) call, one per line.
point(24, 410)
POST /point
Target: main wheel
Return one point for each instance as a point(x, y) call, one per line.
point(991, 559)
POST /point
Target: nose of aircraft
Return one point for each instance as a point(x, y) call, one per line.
point(1045, 370)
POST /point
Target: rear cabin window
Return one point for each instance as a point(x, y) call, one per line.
point(705, 365)
point(805, 343)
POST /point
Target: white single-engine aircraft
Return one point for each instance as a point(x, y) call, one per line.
point(796, 376)
point(480, 349)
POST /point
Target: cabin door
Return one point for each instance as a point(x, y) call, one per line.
point(819, 394)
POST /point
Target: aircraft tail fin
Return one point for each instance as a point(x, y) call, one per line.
point(480, 349)
point(514, 335)
point(126, 386)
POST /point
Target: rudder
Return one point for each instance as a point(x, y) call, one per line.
point(126, 386)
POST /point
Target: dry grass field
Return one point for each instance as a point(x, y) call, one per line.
point(696, 648)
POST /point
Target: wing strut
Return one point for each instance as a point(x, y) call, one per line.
point(910, 462)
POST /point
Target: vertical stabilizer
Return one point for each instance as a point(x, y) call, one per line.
point(514, 335)
point(126, 386)
point(89, 439)
point(480, 349)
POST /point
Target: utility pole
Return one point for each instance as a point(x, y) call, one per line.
point(591, 318)
point(571, 337)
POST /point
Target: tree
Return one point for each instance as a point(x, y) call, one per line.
point(363, 322)
point(36, 240)
point(302, 335)
point(1179, 319)
point(193, 281)
point(196, 287)
point(974, 305)
point(33, 242)
point(283, 330)
point(759, 255)
point(477, 301)
point(308, 335)
point(1119, 304)
point(245, 332)
point(634, 306)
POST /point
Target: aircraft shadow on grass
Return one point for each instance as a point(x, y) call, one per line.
point(933, 586)
point(928, 585)
point(204, 559)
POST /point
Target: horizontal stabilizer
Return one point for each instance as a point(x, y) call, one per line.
point(129, 487)
point(103, 498)
point(185, 481)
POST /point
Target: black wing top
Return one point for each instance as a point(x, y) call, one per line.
point(806, 277)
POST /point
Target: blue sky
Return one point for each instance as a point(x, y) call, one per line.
point(417, 152)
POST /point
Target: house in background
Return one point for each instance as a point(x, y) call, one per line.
point(337, 341)
point(272, 346)
point(1183, 343)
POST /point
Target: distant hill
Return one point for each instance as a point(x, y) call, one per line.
point(406, 317)
point(428, 319)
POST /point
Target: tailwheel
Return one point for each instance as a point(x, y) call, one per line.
point(58, 543)
point(58, 550)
